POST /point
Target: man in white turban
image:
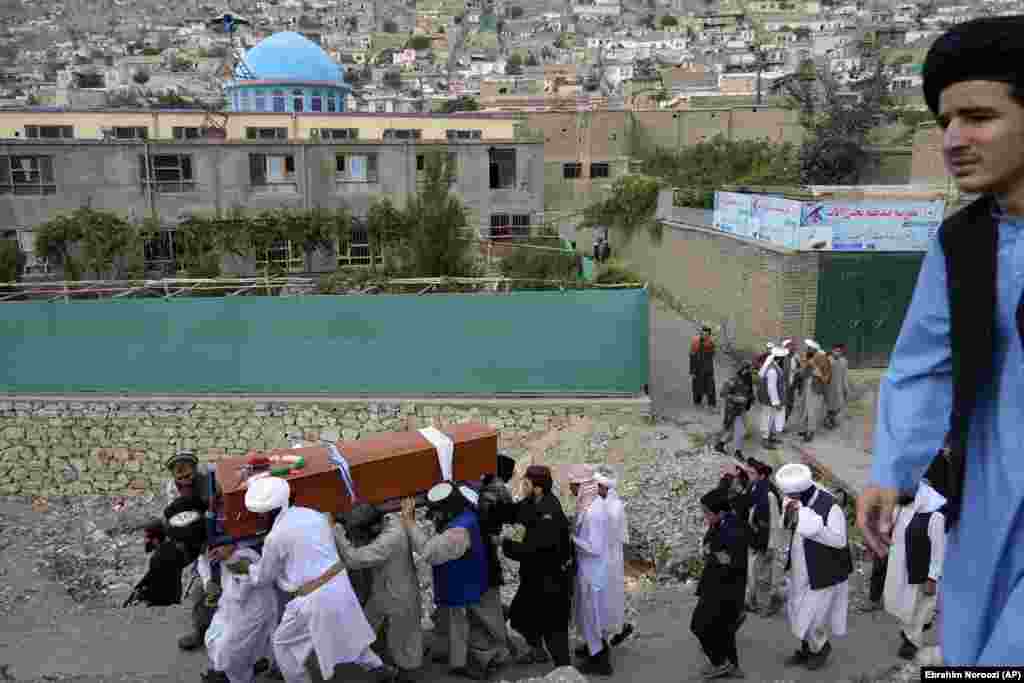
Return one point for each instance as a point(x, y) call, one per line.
point(324, 615)
point(819, 568)
point(591, 541)
point(616, 627)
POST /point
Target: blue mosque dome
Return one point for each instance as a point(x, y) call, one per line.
point(288, 73)
point(289, 56)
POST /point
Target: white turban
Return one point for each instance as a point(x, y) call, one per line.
point(604, 480)
point(794, 478)
point(813, 344)
point(787, 342)
point(780, 352)
point(469, 494)
point(266, 494)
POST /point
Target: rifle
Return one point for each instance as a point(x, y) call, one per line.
point(133, 597)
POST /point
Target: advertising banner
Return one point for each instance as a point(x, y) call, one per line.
point(775, 220)
point(870, 225)
point(732, 212)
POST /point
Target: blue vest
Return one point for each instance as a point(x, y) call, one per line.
point(463, 581)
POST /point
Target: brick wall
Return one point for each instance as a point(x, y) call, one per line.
point(749, 291)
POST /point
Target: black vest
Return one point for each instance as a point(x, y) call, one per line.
point(826, 566)
point(969, 241)
point(919, 548)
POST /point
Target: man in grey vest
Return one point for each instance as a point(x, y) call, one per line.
point(955, 375)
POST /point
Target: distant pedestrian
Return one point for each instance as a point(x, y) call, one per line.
point(816, 375)
point(838, 393)
point(591, 541)
point(771, 393)
point(702, 367)
point(737, 395)
point(721, 587)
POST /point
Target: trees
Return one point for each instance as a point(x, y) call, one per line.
point(836, 149)
point(390, 26)
point(630, 206)
point(12, 260)
point(419, 43)
point(514, 66)
point(141, 77)
point(697, 171)
point(463, 103)
point(87, 239)
point(668, 20)
point(435, 239)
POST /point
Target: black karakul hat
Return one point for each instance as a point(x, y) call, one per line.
point(986, 49)
point(716, 500)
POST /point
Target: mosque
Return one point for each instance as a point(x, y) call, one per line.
point(287, 73)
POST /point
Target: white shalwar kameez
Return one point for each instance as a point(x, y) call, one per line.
point(300, 548)
point(814, 613)
point(907, 602)
point(241, 629)
point(618, 536)
point(591, 541)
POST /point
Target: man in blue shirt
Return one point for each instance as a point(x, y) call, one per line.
point(957, 372)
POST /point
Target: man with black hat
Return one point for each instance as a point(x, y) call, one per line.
point(765, 520)
point(459, 559)
point(955, 369)
point(192, 480)
point(721, 587)
point(381, 544)
point(702, 367)
point(738, 395)
point(541, 608)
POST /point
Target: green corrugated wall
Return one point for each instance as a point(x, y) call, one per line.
point(589, 341)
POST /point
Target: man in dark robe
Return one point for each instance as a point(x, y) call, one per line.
point(721, 588)
point(702, 367)
point(541, 608)
point(161, 586)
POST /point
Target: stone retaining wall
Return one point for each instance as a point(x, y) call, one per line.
point(74, 446)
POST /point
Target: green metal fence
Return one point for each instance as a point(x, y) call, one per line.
point(590, 341)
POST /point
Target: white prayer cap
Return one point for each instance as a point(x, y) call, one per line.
point(604, 480)
point(269, 493)
point(794, 478)
point(469, 494)
point(580, 474)
point(786, 342)
point(439, 492)
point(780, 352)
point(813, 344)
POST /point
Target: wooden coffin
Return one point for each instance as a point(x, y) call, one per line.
point(384, 467)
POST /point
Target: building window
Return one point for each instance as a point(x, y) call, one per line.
point(356, 168)
point(332, 104)
point(283, 256)
point(159, 251)
point(27, 175)
point(260, 101)
point(336, 133)
point(600, 169)
point(50, 132)
point(167, 172)
point(451, 159)
point(457, 134)
point(278, 98)
point(504, 226)
point(266, 133)
point(572, 170)
point(402, 133)
point(272, 169)
point(503, 169)
point(131, 132)
point(298, 101)
point(246, 106)
point(187, 132)
point(357, 252)
point(316, 101)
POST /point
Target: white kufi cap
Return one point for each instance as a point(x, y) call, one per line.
point(813, 344)
point(266, 494)
point(469, 494)
point(780, 352)
point(794, 478)
point(439, 492)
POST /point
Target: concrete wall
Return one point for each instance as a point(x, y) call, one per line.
point(748, 291)
point(106, 176)
point(76, 445)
